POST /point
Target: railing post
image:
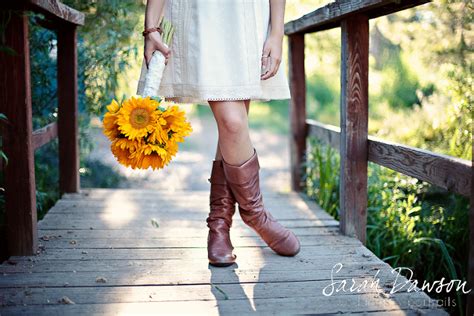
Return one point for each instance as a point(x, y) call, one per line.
point(19, 173)
point(354, 125)
point(297, 108)
point(67, 110)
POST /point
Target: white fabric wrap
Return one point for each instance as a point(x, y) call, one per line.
point(216, 52)
point(154, 74)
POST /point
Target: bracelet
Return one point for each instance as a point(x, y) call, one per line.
point(152, 29)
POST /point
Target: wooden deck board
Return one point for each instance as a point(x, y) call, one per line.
point(107, 235)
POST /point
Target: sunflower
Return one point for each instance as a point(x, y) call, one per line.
point(176, 122)
point(151, 155)
point(122, 148)
point(110, 126)
point(137, 117)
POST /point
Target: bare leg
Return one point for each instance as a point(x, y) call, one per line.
point(232, 123)
point(218, 149)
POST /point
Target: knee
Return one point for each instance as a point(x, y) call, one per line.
point(232, 124)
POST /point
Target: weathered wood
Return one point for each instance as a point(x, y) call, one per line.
point(67, 110)
point(297, 109)
point(19, 173)
point(44, 135)
point(190, 265)
point(354, 125)
point(163, 232)
point(450, 173)
point(444, 171)
point(168, 265)
point(128, 294)
point(332, 14)
point(328, 134)
point(222, 305)
point(54, 10)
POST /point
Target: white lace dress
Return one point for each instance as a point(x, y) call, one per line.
point(216, 53)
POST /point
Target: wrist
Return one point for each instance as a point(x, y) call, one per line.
point(277, 33)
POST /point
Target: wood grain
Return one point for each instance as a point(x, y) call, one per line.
point(58, 10)
point(449, 173)
point(297, 109)
point(332, 14)
point(19, 173)
point(354, 125)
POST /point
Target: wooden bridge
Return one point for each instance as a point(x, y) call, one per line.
point(106, 251)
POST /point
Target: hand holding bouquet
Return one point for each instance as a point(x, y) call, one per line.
point(143, 130)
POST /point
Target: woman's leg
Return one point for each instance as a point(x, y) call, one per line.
point(218, 155)
point(222, 208)
point(241, 170)
point(232, 123)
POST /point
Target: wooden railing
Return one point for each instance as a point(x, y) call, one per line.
point(19, 140)
point(355, 146)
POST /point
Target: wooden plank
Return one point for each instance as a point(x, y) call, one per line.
point(182, 253)
point(190, 265)
point(67, 110)
point(450, 173)
point(177, 232)
point(197, 242)
point(44, 135)
point(362, 303)
point(297, 109)
point(128, 294)
point(137, 222)
point(19, 173)
point(144, 277)
point(332, 14)
point(354, 125)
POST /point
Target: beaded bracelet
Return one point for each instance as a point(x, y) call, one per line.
point(152, 29)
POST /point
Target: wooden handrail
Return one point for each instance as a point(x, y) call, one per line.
point(332, 14)
point(450, 173)
point(44, 135)
point(52, 9)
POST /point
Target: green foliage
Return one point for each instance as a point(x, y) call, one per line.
point(106, 46)
point(409, 222)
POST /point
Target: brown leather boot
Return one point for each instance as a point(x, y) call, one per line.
point(219, 221)
point(245, 185)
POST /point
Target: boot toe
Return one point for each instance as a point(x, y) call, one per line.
point(290, 246)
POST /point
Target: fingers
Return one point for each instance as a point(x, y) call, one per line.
point(148, 53)
point(274, 64)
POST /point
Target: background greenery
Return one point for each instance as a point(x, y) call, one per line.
point(420, 95)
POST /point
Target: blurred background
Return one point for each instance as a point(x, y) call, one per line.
point(420, 95)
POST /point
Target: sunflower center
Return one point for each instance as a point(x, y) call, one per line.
point(139, 118)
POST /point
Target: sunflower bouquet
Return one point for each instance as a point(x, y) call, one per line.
point(143, 132)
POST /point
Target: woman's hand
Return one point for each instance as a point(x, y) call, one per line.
point(153, 42)
point(271, 56)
